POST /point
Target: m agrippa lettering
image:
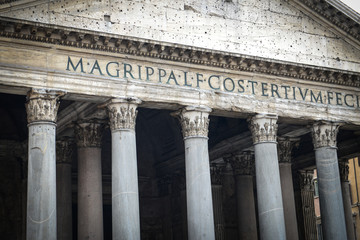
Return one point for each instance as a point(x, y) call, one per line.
point(266, 88)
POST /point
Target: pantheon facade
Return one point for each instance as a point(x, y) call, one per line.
point(217, 119)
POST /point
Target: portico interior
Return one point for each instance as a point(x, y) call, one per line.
point(161, 165)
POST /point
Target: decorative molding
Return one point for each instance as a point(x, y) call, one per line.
point(181, 53)
point(194, 121)
point(216, 171)
point(88, 133)
point(42, 105)
point(285, 146)
point(344, 169)
point(324, 134)
point(64, 150)
point(306, 180)
point(243, 163)
point(334, 15)
point(263, 128)
point(122, 113)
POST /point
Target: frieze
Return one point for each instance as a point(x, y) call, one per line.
point(119, 44)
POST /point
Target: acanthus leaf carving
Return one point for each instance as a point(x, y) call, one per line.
point(42, 105)
point(123, 113)
point(263, 128)
point(324, 134)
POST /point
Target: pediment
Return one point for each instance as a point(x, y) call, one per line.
point(276, 30)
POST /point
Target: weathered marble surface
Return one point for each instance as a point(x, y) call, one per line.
point(270, 29)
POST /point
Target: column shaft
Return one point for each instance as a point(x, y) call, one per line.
point(125, 196)
point(246, 207)
point(63, 189)
point(125, 193)
point(270, 206)
point(331, 203)
point(198, 190)
point(41, 197)
point(90, 207)
point(41, 108)
point(347, 210)
point(345, 189)
point(244, 168)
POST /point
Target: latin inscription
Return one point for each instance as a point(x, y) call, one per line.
point(214, 82)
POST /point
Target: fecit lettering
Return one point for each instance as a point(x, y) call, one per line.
point(225, 83)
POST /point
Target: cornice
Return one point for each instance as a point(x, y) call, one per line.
point(50, 34)
point(336, 13)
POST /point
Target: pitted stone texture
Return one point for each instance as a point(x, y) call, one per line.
point(231, 26)
point(263, 128)
point(89, 133)
point(42, 105)
point(324, 134)
point(194, 121)
point(122, 113)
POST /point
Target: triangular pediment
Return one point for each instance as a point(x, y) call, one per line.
point(279, 30)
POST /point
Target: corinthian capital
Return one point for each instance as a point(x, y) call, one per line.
point(285, 146)
point(324, 134)
point(122, 113)
point(42, 105)
point(263, 128)
point(64, 150)
point(194, 121)
point(344, 169)
point(243, 163)
point(88, 133)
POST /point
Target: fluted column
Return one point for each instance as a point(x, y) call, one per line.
point(285, 146)
point(216, 187)
point(125, 193)
point(345, 188)
point(243, 165)
point(307, 201)
point(88, 135)
point(195, 123)
point(41, 108)
point(270, 207)
point(331, 203)
point(64, 150)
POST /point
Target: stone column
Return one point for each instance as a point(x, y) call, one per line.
point(331, 203)
point(125, 193)
point(345, 188)
point(307, 200)
point(41, 108)
point(285, 146)
point(243, 165)
point(88, 135)
point(195, 123)
point(217, 197)
point(270, 207)
point(64, 150)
